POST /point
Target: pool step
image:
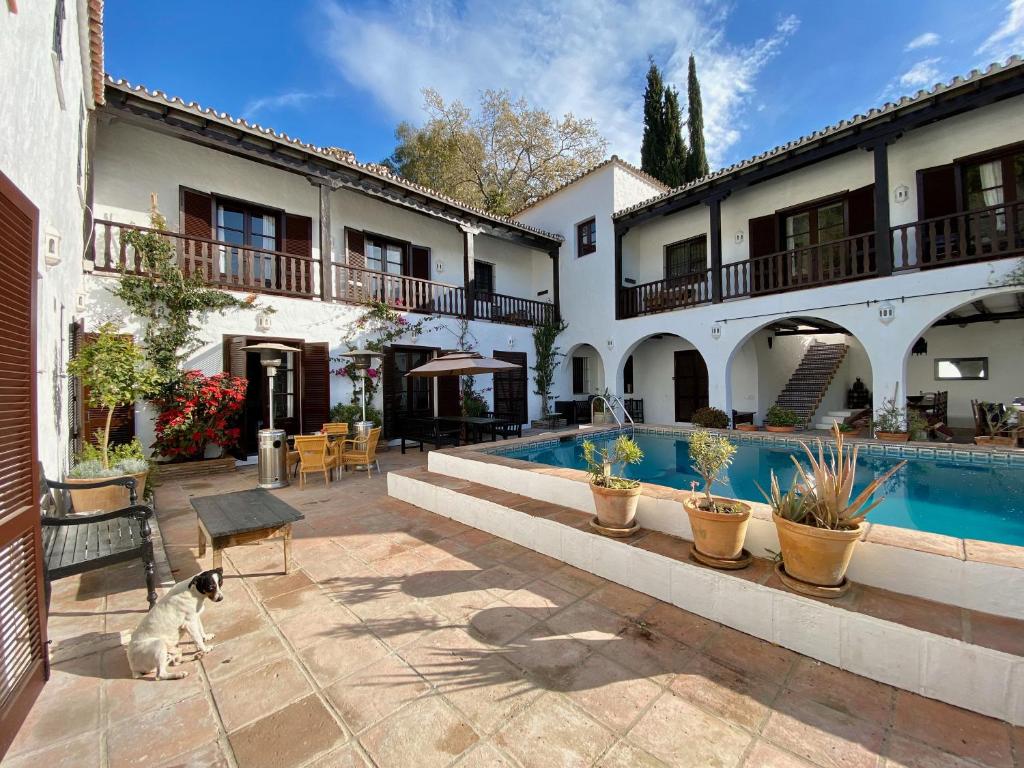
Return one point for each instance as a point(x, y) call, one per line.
point(966, 658)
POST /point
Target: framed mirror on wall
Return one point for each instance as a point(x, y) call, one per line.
point(961, 369)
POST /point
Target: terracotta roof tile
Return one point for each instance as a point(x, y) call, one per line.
point(95, 22)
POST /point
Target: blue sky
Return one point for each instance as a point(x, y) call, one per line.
point(343, 73)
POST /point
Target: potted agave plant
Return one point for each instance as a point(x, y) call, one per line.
point(819, 521)
point(997, 421)
point(615, 497)
point(779, 419)
point(719, 525)
point(115, 372)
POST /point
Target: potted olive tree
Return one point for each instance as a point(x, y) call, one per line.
point(893, 424)
point(818, 519)
point(114, 371)
point(615, 497)
point(719, 525)
point(779, 419)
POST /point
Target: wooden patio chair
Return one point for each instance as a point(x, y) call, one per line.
point(314, 456)
point(362, 451)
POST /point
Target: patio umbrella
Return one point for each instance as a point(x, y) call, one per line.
point(461, 364)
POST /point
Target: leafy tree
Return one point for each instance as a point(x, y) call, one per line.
point(675, 147)
point(652, 149)
point(696, 160)
point(502, 158)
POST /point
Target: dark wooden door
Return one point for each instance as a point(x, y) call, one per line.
point(691, 383)
point(510, 398)
point(289, 389)
point(405, 397)
point(22, 604)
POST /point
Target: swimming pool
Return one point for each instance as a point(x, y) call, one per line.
point(951, 497)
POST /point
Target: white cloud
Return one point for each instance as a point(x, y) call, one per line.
point(924, 73)
point(290, 100)
point(924, 40)
point(1008, 39)
point(588, 57)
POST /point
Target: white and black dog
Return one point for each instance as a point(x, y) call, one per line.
point(154, 644)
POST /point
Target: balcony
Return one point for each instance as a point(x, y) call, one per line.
point(995, 232)
point(257, 270)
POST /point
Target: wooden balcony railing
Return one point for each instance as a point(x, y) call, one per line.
point(361, 286)
point(511, 310)
point(995, 232)
point(223, 265)
point(665, 295)
point(838, 261)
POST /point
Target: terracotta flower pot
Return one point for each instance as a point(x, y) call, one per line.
point(718, 534)
point(747, 427)
point(771, 428)
point(1007, 442)
point(108, 499)
point(815, 555)
point(616, 508)
point(893, 437)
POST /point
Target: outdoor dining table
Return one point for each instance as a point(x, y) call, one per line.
point(475, 423)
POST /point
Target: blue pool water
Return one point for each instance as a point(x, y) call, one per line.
point(971, 501)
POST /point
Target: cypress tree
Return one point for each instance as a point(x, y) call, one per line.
point(652, 150)
point(675, 148)
point(696, 160)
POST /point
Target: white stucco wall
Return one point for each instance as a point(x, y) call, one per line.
point(643, 247)
point(653, 376)
point(630, 189)
point(39, 153)
point(595, 369)
point(1002, 343)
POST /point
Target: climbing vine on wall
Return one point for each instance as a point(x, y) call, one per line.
point(544, 337)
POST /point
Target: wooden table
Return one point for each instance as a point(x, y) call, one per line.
point(244, 517)
point(478, 424)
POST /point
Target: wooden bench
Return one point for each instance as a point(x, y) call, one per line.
point(75, 543)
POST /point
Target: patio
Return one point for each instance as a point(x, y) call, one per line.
point(404, 638)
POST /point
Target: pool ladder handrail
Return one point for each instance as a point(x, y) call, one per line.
point(610, 402)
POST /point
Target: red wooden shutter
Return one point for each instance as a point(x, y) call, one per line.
point(936, 192)
point(316, 386)
point(861, 210)
point(298, 241)
point(355, 246)
point(234, 355)
point(196, 214)
point(122, 423)
point(762, 232)
point(22, 612)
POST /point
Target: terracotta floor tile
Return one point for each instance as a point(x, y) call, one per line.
point(233, 621)
point(548, 657)
point(609, 692)
point(823, 735)
point(574, 580)
point(621, 600)
point(235, 697)
point(427, 733)
point(588, 623)
point(540, 599)
point(190, 724)
point(210, 756)
point(128, 697)
point(663, 544)
point(82, 751)
point(331, 659)
point(346, 757)
point(648, 654)
point(765, 755)
point(289, 737)
point(272, 585)
point(406, 625)
point(305, 628)
point(498, 623)
point(484, 756)
point(997, 632)
point(501, 550)
point(841, 690)
point(740, 699)
point(502, 580)
point(749, 655)
point(459, 605)
point(914, 612)
point(679, 625)
point(308, 598)
point(490, 693)
point(908, 753)
point(552, 732)
point(679, 733)
point(375, 692)
point(955, 730)
point(625, 755)
point(535, 564)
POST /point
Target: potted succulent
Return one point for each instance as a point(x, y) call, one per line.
point(115, 372)
point(615, 497)
point(848, 429)
point(893, 424)
point(817, 521)
point(719, 525)
point(995, 420)
point(779, 419)
point(710, 418)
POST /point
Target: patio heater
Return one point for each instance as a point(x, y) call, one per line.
point(362, 359)
point(271, 444)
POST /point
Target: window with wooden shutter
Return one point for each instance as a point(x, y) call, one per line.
point(22, 612)
point(860, 206)
point(355, 248)
point(298, 241)
point(316, 386)
point(510, 389)
point(580, 375)
point(762, 233)
point(195, 214)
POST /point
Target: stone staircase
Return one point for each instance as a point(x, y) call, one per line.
point(810, 381)
point(831, 417)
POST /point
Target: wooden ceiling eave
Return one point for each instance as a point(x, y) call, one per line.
point(204, 132)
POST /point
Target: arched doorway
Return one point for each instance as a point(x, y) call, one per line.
point(669, 374)
point(810, 365)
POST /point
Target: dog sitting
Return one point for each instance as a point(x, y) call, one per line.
point(154, 644)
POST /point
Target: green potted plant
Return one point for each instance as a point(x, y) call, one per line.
point(710, 418)
point(849, 430)
point(779, 419)
point(115, 372)
point(615, 497)
point(995, 420)
point(893, 424)
point(818, 520)
point(719, 525)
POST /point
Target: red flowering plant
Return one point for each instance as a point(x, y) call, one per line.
point(201, 410)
